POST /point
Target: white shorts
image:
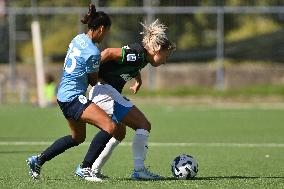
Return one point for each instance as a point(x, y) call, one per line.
point(110, 100)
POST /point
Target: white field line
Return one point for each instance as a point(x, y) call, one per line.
point(238, 145)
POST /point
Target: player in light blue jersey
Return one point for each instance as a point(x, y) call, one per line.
point(80, 69)
point(82, 59)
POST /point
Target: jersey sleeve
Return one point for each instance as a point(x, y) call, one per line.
point(130, 54)
point(93, 63)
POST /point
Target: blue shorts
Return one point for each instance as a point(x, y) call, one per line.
point(119, 112)
point(75, 108)
point(111, 101)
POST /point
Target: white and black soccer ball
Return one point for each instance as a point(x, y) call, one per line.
point(184, 167)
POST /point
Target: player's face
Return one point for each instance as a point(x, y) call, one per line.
point(103, 33)
point(160, 57)
point(100, 34)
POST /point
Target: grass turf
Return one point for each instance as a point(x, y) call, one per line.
point(219, 166)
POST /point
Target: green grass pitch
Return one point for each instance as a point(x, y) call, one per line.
point(235, 148)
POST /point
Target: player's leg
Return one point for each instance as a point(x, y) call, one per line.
point(95, 116)
point(120, 133)
point(77, 112)
point(111, 101)
point(78, 134)
point(122, 110)
point(118, 136)
point(137, 121)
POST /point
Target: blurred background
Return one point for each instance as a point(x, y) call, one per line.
point(226, 48)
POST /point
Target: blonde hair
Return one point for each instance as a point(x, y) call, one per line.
point(154, 36)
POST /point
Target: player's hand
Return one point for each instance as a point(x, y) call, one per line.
point(136, 87)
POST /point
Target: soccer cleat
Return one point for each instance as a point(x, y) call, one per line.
point(144, 174)
point(99, 174)
point(87, 174)
point(34, 167)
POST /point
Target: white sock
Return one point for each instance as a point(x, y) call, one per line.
point(104, 156)
point(140, 147)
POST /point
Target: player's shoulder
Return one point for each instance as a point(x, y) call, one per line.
point(83, 42)
point(86, 46)
point(134, 52)
point(134, 46)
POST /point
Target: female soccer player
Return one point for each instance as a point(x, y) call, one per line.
point(80, 69)
point(120, 65)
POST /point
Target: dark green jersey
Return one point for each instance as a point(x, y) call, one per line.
point(117, 73)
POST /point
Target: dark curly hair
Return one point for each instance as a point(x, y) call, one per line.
point(96, 19)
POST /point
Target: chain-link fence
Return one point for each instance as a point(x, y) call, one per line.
point(212, 37)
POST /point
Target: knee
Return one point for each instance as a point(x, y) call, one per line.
point(120, 133)
point(110, 127)
point(149, 126)
point(146, 125)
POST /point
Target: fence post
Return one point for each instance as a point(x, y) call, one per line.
point(38, 54)
point(23, 87)
point(2, 88)
point(152, 83)
point(12, 49)
point(220, 49)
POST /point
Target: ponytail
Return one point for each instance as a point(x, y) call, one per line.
point(91, 13)
point(96, 19)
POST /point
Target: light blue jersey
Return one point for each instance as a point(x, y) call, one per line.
point(82, 57)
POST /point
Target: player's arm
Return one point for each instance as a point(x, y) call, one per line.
point(111, 54)
point(138, 82)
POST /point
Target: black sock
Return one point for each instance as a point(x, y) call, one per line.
point(58, 147)
point(96, 147)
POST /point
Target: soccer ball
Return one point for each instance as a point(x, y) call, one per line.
point(184, 167)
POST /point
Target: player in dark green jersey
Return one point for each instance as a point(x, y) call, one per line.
point(117, 72)
point(120, 65)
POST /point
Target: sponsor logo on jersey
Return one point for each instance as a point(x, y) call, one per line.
point(82, 99)
point(131, 57)
point(126, 77)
